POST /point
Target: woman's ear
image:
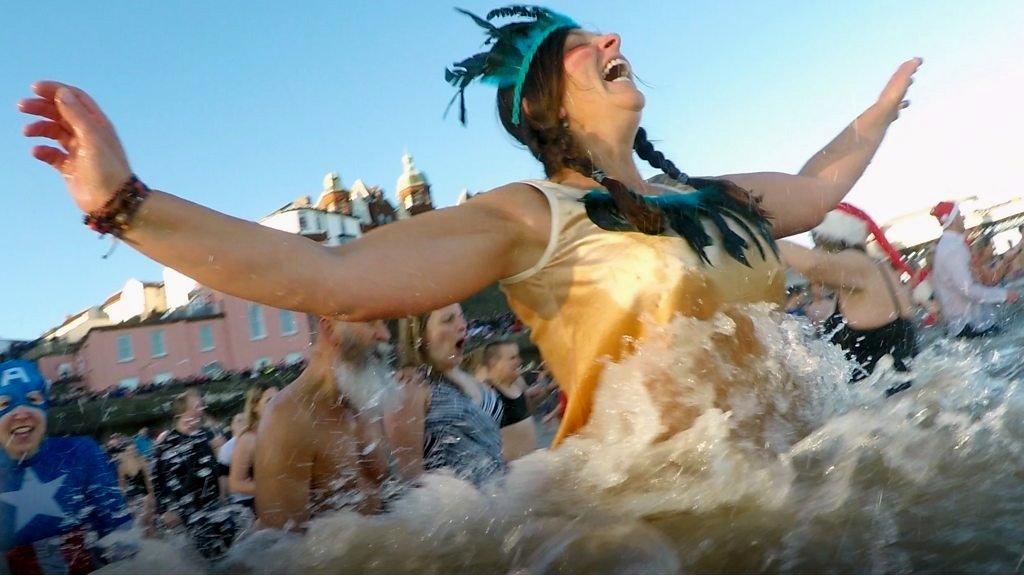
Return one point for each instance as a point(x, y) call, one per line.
point(526, 109)
point(325, 329)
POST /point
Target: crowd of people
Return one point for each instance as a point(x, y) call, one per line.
point(872, 308)
point(344, 434)
point(588, 258)
point(67, 392)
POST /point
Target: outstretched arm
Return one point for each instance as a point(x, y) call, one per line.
point(408, 267)
point(838, 271)
point(799, 202)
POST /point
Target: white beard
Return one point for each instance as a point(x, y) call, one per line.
point(368, 388)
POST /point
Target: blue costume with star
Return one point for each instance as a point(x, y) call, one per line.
point(56, 504)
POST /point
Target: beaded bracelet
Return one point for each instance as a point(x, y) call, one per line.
point(116, 215)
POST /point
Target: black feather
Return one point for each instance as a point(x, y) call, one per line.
point(516, 10)
point(742, 223)
point(684, 213)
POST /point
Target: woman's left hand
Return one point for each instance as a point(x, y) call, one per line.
point(892, 99)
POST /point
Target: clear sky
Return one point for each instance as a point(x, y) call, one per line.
point(245, 105)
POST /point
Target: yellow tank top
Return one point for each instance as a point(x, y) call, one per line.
point(593, 291)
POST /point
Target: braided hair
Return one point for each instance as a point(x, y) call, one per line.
point(646, 151)
point(549, 139)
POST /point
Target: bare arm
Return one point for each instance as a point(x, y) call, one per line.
point(239, 481)
point(844, 270)
point(149, 479)
point(799, 202)
point(997, 273)
point(447, 254)
point(284, 458)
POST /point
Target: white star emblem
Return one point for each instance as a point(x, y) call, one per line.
point(34, 498)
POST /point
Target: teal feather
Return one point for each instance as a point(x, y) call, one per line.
point(512, 48)
point(683, 214)
point(601, 210)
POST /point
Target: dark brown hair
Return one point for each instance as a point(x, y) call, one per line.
point(541, 130)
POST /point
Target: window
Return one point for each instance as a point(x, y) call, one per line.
point(163, 378)
point(293, 358)
point(287, 323)
point(156, 342)
point(257, 328)
point(261, 363)
point(205, 338)
point(63, 371)
point(212, 369)
point(124, 348)
point(303, 224)
point(128, 384)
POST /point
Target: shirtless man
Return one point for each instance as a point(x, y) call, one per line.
point(321, 442)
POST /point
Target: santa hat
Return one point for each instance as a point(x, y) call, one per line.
point(852, 226)
point(842, 226)
point(945, 213)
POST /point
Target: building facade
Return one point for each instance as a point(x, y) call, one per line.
point(213, 334)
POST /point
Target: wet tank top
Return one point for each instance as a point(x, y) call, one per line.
point(593, 291)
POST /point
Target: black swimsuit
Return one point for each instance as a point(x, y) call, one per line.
point(866, 347)
point(514, 410)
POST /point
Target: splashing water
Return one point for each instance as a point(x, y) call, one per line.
point(784, 468)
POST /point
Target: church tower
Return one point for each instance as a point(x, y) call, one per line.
point(413, 189)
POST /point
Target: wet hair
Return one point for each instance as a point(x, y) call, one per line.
point(252, 403)
point(835, 246)
point(411, 341)
point(551, 142)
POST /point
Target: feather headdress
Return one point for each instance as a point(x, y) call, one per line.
point(512, 48)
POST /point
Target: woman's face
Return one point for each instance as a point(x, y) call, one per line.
point(445, 336)
point(599, 80)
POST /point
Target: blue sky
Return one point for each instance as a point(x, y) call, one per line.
point(243, 106)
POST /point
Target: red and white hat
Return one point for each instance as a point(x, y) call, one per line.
point(840, 225)
point(852, 226)
point(945, 213)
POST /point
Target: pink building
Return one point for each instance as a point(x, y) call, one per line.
point(213, 333)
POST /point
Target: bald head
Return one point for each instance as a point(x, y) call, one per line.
point(353, 342)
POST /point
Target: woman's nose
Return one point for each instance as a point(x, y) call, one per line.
point(610, 41)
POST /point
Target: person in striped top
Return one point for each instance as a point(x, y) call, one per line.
point(460, 415)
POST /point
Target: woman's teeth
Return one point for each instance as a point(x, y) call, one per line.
point(617, 70)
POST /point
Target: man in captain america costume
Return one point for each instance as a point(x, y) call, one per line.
point(61, 510)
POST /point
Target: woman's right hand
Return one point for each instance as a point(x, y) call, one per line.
point(90, 159)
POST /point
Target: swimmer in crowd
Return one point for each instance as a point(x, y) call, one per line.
point(322, 442)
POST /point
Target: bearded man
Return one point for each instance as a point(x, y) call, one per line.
point(321, 444)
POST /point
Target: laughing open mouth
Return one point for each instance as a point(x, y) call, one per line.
point(617, 70)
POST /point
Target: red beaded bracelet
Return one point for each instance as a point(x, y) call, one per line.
point(116, 215)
